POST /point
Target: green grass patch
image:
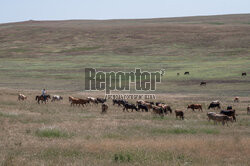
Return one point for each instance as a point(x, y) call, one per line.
point(158, 131)
point(77, 49)
point(122, 157)
point(52, 133)
point(216, 23)
point(181, 131)
point(7, 115)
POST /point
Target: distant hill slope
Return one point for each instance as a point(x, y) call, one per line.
point(53, 54)
point(123, 36)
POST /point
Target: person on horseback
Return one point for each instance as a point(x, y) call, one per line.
point(44, 94)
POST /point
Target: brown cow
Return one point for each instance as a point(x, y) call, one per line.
point(150, 106)
point(22, 97)
point(104, 108)
point(248, 110)
point(77, 101)
point(236, 99)
point(158, 110)
point(195, 106)
point(179, 113)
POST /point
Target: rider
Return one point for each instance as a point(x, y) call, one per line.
point(44, 93)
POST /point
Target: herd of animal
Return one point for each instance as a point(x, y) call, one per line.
point(204, 83)
point(158, 108)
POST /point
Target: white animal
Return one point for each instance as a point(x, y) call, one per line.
point(56, 98)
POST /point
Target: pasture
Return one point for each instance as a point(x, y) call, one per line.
point(53, 55)
point(58, 134)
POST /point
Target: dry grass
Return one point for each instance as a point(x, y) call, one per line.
point(53, 54)
point(57, 134)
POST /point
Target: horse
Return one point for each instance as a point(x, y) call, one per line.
point(203, 83)
point(22, 97)
point(56, 98)
point(42, 98)
point(104, 108)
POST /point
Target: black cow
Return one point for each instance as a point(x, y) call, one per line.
point(186, 73)
point(203, 83)
point(101, 100)
point(129, 106)
point(229, 113)
point(244, 74)
point(143, 107)
point(214, 105)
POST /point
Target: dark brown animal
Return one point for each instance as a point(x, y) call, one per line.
point(44, 99)
point(214, 104)
point(229, 113)
point(130, 106)
point(195, 106)
point(248, 110)
point(166, 109)
point(203, 83)
point(236, 99)
point(104, 108)
point(179, 113)
point(244, 74)
point(158, 110)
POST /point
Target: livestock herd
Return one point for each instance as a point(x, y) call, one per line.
point(158, 108)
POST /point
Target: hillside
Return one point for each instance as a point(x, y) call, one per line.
point(53, 51)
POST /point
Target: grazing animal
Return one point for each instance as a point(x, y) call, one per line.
point(186, 73)
point(143, 107)
point(44, 99)
point(101, 100)
point(92, 100)
point(159, 103)
point(203, 83)
point(179, 113)
point(22, 97)
point(210, 115)
point(214, 104)
point(229, 107)
point(244, 74)
point(248, 110)
point(195, 106)
point(166, 109)
point(83, 102)
point(115, 101)
point(236, 99)
point(74, 101)
point(56, 98)
point(119, 102)
point(158, 110)
point(129, 106)
point(219, 118)
point(142, 102)
point(150, 106)
point(150, 102)
point(229, 113)
point(178, 74)
point(104, 108)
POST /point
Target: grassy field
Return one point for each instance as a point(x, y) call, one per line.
point(54, 54)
